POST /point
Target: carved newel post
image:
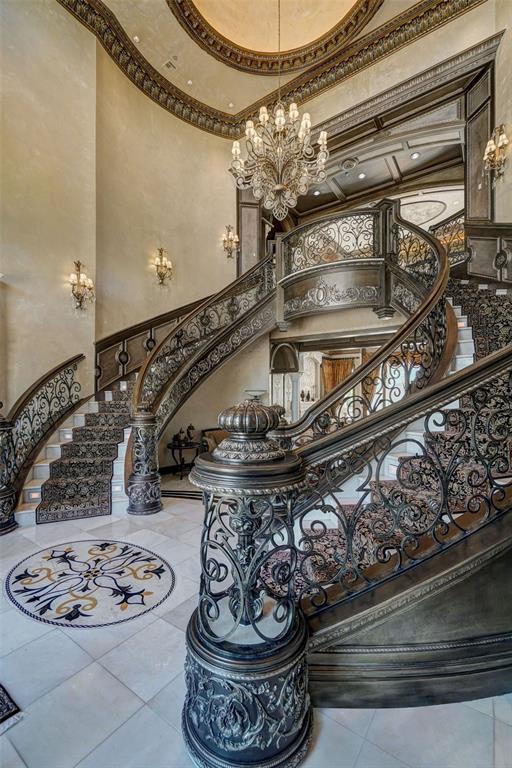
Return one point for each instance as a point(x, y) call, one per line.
point(7, 464)
point(247, 700)
point(144, 482)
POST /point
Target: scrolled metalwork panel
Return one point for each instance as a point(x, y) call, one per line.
point(198, 329)
point(47, 405)
point(244, 538)
point(451, 235)
point(414, 255)
point(409, 367)
point(347, 236)
point(377, 510)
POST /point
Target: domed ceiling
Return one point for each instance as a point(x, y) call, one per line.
point(244, 34)
point(212, 63)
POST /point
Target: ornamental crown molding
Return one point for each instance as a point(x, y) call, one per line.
point(262, 63)
point(419, 20)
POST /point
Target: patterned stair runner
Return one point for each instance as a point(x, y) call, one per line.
point(80, 481)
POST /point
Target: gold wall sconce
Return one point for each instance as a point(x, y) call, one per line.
point(82, 287)
point(230, 241)
point(494, 155)
point(163, 266)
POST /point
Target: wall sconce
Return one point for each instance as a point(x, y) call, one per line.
point(82, 287)
point(230, 241)
point(494, 155)
point(163, 266)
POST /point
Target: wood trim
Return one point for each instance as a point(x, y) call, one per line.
point(263, 63)
point(412, 24)
point(146, 325)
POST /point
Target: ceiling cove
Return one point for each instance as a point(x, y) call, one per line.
point(355, 16)
point(416, 21)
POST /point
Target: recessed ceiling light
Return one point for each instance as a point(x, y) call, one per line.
point(231, 105)
point(136, 39)
point(456, 202)
point(415, 155)
point(189, 82)
point(316, 192)
point(361, 175)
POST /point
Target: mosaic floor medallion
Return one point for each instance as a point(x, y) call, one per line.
point(90, 583)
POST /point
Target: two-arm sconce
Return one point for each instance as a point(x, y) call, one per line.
point(163, 266)
point(494, 155)
point(82, 287)
point(230, 241)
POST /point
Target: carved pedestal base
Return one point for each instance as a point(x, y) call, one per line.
point(247, 709)
point(7, 503)
point(144, 494)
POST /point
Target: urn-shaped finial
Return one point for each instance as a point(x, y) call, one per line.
point(248, 424)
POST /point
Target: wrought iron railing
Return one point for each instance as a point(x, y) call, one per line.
point(419, 352)
point(34, 415)
point(379, 500)
point(451, 234)
point(197, 346)
point(351, 235)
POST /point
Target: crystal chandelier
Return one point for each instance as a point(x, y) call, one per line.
point(281, 162)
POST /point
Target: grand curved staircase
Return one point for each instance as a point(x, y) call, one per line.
point(357, 557)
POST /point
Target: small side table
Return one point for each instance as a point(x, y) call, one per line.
point(177, 452)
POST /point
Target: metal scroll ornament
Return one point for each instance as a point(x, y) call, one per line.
point(247, 698)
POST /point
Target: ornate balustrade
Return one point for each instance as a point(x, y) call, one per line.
point(35, 414)
point(380, 498)
point(204, 340)
point(333, 263)
point(451, 234)
point(122, 353)
point(290, 536)
point(414, 274)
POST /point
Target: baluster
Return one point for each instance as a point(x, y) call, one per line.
point(7, 464)
point(247, 697)
point(144, 482)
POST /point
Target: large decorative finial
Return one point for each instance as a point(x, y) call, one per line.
point(248, 424)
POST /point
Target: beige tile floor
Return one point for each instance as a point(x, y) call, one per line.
point(112, 697)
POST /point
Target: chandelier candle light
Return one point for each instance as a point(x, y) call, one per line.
point(163, 266)
point(281, 162)
point(82, 287)
point(230, 241)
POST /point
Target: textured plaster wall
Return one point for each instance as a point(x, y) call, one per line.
point(48, 187)
point(504, 105)
point(160, 182)
point(431, 49)
point(225, 387)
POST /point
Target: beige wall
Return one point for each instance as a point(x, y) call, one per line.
point(160, 182)
point(504, 105)
point(433, 48)
point(48, 186)
point(225, 387)
point(94, 170)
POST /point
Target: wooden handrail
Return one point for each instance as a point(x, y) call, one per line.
point(414, 406)
point(25, 397)
point(389, 347)
point(224, 293)
point(146, 325)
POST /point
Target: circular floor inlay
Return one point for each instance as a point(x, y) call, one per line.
point(90, 583)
